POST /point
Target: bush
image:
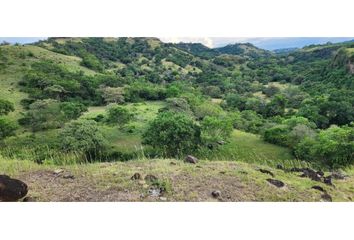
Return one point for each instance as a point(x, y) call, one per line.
point(178, 105)
point(42, 115)
point(208, 109)
point(72, 110)
point(6, 107)
point(333, 146)
point(173, 134)
point(82, 136)
point(7, 128)
point(277, 135)
point(118, 115)
point(216, 129)
point(247, 120)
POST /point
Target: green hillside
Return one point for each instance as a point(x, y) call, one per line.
point(89, 105)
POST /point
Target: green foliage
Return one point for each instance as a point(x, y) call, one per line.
point(92, 62)
point(139, 91)
point(178, 105)
point(216, 129)
point(72, 110)
point(7, 128)
point(276, 107)
point(208, 109)
point(118, 115)
point(247, 120)
point(50, 114)
point(290, 132)
point(6, 107)
point(82, 136)
point(42, 115)
point(333, 146)
point(173, 134)
point(235, 101)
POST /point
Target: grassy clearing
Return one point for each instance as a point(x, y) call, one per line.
point(248, 147)
point(120, 138)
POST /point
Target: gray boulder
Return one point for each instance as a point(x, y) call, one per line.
point(191, 159)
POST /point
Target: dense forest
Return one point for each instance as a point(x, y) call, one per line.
point(76, 100)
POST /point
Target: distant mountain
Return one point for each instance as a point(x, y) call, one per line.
point(239, 49)
point(197, 49)
point(285, 50)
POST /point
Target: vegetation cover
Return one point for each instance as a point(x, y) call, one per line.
point(74, 100)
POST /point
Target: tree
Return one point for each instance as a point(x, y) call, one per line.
point(7, 128)
point(208, 109)
point(113, 94)
point(216, 129)
point(271, 91)
point(82, 136)
point(43, 114)
point(247, 120)
point(276, 107)
point(179, 105)
point(118, 115)
point(72, 110)
point(235, 101)
point(172, 134)
point(6, 107)
point(333, 146)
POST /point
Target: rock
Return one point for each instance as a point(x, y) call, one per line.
point(279, 166)
point(68, 176)
point(154, 192)
point(150, 178)
point(328, 180)
point(319, 188)
point(11, 189)
point(216, 194)
point(136, 176)
point(276, 183)
point(266, 172)
point(58, 171)
point(326, 197)
point(163, 198)
point(320, 173)
point(296, 169)
point(221, 142)
point(29, 199)
point(191, 159)
point(307, 172)
point(338, 175)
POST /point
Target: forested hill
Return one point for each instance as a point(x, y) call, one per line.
point(294, 99)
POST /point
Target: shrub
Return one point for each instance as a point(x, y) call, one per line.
point(7, 128)
point(82, 136)
point(216, 129)
point(6, 107)
point(172, 134)
point(333, 146)
point(118, 115)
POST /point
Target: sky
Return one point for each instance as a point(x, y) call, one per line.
point(269, 43)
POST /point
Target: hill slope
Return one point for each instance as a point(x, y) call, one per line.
point(181, 182)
